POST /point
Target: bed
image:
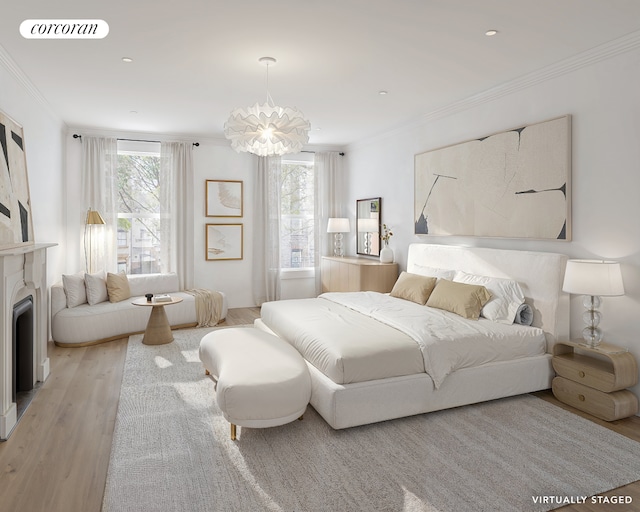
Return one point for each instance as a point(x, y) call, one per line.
point(373, 357)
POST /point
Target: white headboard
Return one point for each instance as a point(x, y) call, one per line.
point(540, 274)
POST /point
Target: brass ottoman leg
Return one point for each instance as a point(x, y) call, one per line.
point(233, 432)
point(301, 417)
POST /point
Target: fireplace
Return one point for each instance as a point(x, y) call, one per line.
point(23, 329)
point(22, 346)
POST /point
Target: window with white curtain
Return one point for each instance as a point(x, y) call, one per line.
point(297, 211)
point(138, 202)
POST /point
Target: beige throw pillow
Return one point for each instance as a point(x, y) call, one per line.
point(413, 287)
point(118, 287)
point(462, 299)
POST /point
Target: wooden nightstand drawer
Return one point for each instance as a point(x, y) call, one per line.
point(606, 406)
point(590, 372)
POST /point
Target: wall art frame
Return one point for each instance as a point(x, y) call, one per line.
point(16, 222)
point(224, 242)
point(512, 184)
point(224, 198)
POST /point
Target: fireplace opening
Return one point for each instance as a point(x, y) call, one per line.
point(22, 350)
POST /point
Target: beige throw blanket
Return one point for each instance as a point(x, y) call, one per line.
point(208, 306)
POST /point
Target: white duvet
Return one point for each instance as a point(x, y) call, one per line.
point(447, 341)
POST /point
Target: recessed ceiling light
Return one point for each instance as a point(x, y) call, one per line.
point(127, 59)
point(383, 93)
point(491, 32)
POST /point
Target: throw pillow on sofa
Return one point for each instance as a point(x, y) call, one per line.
point(118, 287)
point(96, 287)
point(73, 285)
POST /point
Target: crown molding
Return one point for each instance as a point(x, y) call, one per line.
point(7, 62)
point(581, 60)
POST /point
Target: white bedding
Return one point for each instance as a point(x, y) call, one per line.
point(350, 348)
point(447, 341)
point(343, 344)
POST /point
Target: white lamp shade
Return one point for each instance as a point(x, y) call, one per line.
point(593, 277)
point(338, 225)
point(368, 225)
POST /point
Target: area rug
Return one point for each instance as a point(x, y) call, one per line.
point(171, 452)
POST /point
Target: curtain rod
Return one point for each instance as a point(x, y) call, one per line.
point(76, 136)
point(305, 151)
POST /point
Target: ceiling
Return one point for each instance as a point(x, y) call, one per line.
point(194, 60)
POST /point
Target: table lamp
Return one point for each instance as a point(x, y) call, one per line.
point(337, 226)
point(593, 278)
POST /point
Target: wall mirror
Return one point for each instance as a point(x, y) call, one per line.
point(368, 215)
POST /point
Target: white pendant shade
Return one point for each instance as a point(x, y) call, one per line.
point(267, 130)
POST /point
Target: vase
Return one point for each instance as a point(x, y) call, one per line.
point(386, 254)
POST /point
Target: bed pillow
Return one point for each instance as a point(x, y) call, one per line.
point(506, 296)
point(524, 315)
point(413, 287)
point(96, 287)
point(440, 273)
point(73, 285)
point(462, 299)
point(118, 287)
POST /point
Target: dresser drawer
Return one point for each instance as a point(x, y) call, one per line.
point(606, 406)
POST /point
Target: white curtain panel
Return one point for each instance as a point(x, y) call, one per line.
point(266, 242)
point(329, 202)
point(176, 210)
point(99, 189)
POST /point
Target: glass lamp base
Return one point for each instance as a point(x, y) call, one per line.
point(337, 245)
point(592, 334)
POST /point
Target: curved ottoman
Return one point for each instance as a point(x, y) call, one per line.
point(261, 380)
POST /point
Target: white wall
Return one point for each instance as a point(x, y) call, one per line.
point(43, 140)
point(604, 103)
point(234, 277)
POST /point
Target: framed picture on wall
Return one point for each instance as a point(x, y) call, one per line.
point(16, 224)
point(512, 184)
point(223, 198)
point(224, 242)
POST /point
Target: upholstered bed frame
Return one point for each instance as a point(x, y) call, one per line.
point(540, 275)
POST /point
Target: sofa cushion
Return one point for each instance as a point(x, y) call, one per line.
point(74, 289)
point(118, 287)
point(153, 283)
point(96, 285)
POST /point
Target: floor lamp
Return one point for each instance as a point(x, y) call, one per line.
point(93, 219)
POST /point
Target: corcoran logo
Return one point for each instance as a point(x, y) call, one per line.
point(64, 29)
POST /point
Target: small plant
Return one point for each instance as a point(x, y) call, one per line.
point(386, 234)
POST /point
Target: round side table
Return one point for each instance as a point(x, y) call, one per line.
point(158, 331)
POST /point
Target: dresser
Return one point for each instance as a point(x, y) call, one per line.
point(349, 274)
point(593, 379)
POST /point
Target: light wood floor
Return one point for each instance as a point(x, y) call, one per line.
point(57, 457)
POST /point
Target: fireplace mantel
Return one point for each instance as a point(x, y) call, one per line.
point(23, 273)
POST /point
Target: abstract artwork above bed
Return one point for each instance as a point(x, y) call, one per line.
point(16, 226)
point(513, 184)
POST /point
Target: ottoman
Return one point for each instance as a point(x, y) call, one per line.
point(261, 380)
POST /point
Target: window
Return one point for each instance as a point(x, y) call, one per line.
point(138, 204)
point(297, 213)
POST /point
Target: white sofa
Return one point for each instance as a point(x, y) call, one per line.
point(92, 324)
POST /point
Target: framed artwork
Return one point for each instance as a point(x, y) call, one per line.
point(223, 198)
point(513, 184)
point(224, 242)
point(16, 223)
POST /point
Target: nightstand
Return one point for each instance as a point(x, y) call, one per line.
point(593, 379)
